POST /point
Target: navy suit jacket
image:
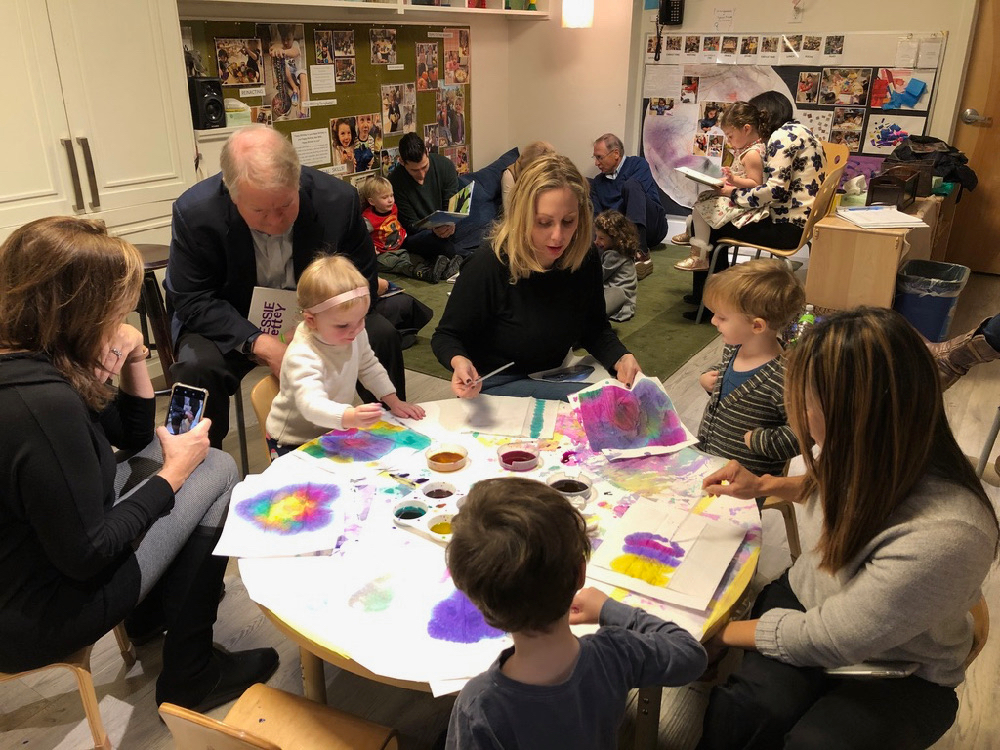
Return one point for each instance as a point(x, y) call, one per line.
point(212, 271)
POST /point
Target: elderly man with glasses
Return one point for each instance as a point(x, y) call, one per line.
point(625, 184)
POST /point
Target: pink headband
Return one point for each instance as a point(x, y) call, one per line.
point(361, 291)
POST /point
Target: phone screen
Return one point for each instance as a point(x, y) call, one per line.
point(573, 372)
point(187, 405)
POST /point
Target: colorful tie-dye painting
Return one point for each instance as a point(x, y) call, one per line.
point(291, 510)
point(360, 446)
point(457, 620)
point(623, 423)
point(648, 557)
point(374, 596)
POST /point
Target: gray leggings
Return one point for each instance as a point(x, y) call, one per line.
point(202, 501)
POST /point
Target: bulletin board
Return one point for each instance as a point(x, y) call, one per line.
point(344, 93)
point(868, 91)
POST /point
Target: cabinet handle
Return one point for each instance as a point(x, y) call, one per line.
point(88, 160)
point(74, 173)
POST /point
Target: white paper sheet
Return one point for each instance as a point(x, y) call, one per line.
point(275, 311)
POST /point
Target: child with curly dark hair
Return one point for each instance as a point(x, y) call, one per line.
point(617, 240)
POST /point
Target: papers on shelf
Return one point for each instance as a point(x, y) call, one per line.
point(704, 179)
point(878, 217)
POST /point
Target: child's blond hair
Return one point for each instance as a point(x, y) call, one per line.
point(373, 187)
point(764, 288)
point(328, 276)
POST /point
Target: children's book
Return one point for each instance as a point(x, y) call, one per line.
point(458, 208)
point(274, 311)
point(392, 291)
point(704, 179)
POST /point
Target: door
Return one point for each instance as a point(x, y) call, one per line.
point(976, 230)
point(125, 92)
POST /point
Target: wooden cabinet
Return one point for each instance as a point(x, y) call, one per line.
point(102, 124)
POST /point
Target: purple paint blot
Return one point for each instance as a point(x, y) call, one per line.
point(457, 620)
point(569, 457)
point(654, 547)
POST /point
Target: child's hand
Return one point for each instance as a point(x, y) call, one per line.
point(707, 380)
point(586, 606)
point(402, 408)
point(362, 416)
point(727, 173)
point(746, 438)
point(383, 286)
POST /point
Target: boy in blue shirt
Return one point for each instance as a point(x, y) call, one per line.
point(519, 551)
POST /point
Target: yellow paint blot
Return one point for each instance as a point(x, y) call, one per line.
point(443, 528)
point(636, 566)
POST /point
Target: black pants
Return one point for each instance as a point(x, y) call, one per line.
point(645, 213)
point(200, 363)
point(429, 246)
point(768, 704)
point(779, 236)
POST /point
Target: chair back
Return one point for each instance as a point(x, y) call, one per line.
point(261, 397)
point(980, 629)
point(194, 731)
point(836, 162)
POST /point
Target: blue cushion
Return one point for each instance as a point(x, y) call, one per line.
point(486, 202)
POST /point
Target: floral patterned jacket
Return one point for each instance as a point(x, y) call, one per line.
point(794, 169)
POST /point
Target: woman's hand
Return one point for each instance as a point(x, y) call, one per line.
point(626, 369)
point(586, 606)
point(463, 378)
point(182, 454)
point(119, 347)
point(733, 479)
point(403, 409)
point(364, 415)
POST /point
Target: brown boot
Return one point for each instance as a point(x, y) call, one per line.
point(957, 356)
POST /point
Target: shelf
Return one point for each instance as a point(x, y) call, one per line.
point(199, 8)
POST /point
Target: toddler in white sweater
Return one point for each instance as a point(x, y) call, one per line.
point(328, 354)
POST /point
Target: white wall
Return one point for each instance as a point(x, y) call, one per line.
point(954, 16)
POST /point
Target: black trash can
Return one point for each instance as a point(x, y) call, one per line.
point(926, 294)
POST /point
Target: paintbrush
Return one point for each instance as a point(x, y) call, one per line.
point(481, 378)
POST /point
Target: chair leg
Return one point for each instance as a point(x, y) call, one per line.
point(988, 445)
point(791, 529)
point(124, 645)
point(241, 428)
point(711, 267)
point(91, 708)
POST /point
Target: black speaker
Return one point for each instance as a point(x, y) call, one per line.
point(207, 108)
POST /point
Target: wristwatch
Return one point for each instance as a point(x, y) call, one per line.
point(247, 348)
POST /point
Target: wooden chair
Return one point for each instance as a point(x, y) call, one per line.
point(265, 718)
point(836, 161)
point(79, 664)
point(787, 510)
point(261, 397)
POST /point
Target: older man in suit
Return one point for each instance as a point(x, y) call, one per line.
point(258, 223)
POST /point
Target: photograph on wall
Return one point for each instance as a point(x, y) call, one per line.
point(848, 118)
point(430, 138)
point(689, 90)
point(345, 70)
point(749, 47)
point(790, 51)
point(710, 112)
point(808, 88)
point(343, 133)
point(260, 115)
point(844, 86)
point(368, 140)
point(286, 80)
point(323, 43)
point(715, 147)
point(239, 61)
point(833, 46)
point(672, 45)
point(459, 156)
point(769, 48)
point(399, 108)
point(356, 180)
point(710, 48)
point(811, 47)
point(383, 46)
point(193, 60)
point(817, 120)
point(886, 130)
point(389, 160)
point(427, 66)
point(343, 44)
point(902, 88)
point(699, 145)
point(660, 105)
point(457, 56)
point(451, 112)
point(692, 48)
point(849, 138)
point(729, 46)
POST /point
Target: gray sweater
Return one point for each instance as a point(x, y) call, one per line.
point(905, 597)
point(632, 649)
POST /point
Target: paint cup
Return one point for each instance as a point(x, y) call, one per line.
point(446, 457)
point(518, 456)
point(409, 511)
point(438, 491)
point(440, 526)
point(574, 487)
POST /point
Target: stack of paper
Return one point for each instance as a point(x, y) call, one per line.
point(878, 217)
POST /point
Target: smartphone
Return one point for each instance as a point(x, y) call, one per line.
point(571, 373)
point(186, 408)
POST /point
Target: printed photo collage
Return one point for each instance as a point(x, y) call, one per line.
point(746, 49)
point(284, 74)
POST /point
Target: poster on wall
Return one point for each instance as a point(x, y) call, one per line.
point(427, 66)
point(457, 56)
point(323, 44)
point(886, 130)
point(239, 61)
point(383, 46)
point(769, 49)
point(459, 156)
point(902, 88)
point(286, 81)
point(399, 108)
point(346, 70)
point(844, 86)
point(343, 43)
point(833, 48)
point(451, 113)
point(692, 48)
point(808, 89)
point(749, 49)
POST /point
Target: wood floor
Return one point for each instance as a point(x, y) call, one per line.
point(43, 711)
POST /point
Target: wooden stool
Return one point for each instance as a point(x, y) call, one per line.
point(79, 664)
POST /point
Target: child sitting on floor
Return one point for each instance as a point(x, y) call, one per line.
point(327, 356)
point(519, 552)
point(740, 122)
point(618, 243)
point(745, 417)
point(382, 219)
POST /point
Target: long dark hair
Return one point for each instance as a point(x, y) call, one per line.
point(775, 110)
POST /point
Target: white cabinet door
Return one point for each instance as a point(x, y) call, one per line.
point(125, 90)
point(35, 176)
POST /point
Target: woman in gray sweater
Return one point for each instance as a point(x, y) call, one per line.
point(897, 537)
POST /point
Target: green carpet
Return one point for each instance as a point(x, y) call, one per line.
point(657, 335)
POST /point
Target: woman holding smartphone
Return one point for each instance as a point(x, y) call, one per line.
point(85, 541)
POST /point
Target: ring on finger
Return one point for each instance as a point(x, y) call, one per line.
point(116, 352)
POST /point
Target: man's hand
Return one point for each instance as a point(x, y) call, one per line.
point(268, 350)
point(444, 230)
